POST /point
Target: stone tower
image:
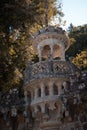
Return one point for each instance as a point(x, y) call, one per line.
point(47, 80)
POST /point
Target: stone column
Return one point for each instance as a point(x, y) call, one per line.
point(50, 88)
point(40, 53)
point(59, 111)
point(36, 95)
point(59, 88)
point(71, 81)
point(26, 102)
point(26, 98)
point(32, 95)
point(35, 109)
point(63, 54)
point(51, 51)
point(43, 108)
point(42, 90)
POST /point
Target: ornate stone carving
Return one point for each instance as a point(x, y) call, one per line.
point(51, 68)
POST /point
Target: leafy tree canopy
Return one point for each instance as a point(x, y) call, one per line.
point(18, 20)
point(78, 38)
point(81, 60)
point(78, 48)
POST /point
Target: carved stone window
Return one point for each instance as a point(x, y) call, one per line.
point(39, 92)
point(46, 91)
point(55, 89)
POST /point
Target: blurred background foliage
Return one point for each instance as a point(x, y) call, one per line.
point(19, 19)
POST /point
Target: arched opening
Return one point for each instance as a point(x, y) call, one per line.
point(56, 110)
point(46, 91)
point(29, 97)
point(56, 105)
point(57, 58)
point(66, 86)
point(39, 92)
point(46, 52)
point(57, 52)
point(55, 89)
point(47, 109)
point(39, 108)
point(33, 94)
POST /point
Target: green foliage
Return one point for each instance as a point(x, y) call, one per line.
point(78, 48)
point(26, 13)
point(19, 19)
point(78, 38)
point(81, 60)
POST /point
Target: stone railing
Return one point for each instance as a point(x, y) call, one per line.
point(50, 68)
point(45, 99)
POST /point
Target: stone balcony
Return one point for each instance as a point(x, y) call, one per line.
point(49, 69)
point(45, 99)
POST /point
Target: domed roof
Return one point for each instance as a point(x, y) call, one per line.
point(50, 32)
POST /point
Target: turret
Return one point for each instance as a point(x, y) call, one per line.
point(48, 79)
point(51, 43)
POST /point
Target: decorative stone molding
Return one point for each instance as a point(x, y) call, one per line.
point(58, 37)
point(45, 99)
point(51, 32)
point(50, 68)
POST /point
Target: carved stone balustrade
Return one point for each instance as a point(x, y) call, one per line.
point(49, 68)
